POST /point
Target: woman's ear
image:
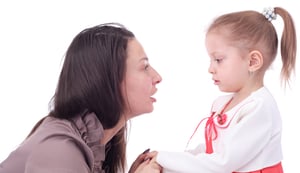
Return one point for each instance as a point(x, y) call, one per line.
point(255, 60)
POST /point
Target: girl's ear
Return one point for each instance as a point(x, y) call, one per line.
point(255, 60)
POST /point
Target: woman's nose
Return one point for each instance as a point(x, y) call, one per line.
point(157, 77)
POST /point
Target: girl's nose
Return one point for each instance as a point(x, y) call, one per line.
point(211, 69)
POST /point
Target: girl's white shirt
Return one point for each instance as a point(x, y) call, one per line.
point(251, 141)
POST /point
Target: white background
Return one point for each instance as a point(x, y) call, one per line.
point(34, 36)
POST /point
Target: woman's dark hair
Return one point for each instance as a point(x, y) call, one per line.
point(90, 81)
point(93, 70)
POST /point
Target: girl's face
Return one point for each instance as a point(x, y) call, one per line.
point(228, 63)
point(140, 81)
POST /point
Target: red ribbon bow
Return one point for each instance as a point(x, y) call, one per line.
point(211, 132)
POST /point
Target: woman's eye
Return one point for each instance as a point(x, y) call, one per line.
point(147, 66)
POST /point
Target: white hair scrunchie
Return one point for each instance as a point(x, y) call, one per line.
point(269, 14)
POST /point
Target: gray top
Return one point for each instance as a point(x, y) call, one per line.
point(60, 146)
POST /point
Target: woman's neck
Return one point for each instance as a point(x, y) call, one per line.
point(110, 133)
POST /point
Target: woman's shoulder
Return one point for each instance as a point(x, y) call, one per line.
point(51, 148)
point(56, 154)
point(56, 137)
point(55, 144)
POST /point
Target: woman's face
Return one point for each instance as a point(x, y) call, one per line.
point(140, 81)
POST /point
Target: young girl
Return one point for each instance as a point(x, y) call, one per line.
point(243, 132)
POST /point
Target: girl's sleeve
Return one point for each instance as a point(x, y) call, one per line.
point(199, 149)
point(242, 144)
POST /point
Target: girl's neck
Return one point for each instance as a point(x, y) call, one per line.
point(238, 97)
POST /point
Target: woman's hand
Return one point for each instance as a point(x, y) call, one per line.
point(145, 163)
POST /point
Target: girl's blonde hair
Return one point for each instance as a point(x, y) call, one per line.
point(254, 31)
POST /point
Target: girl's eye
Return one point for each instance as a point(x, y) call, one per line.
point(218, 60)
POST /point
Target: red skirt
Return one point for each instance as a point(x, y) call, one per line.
point(272, 169)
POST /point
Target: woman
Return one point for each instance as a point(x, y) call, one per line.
point(105, 81)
